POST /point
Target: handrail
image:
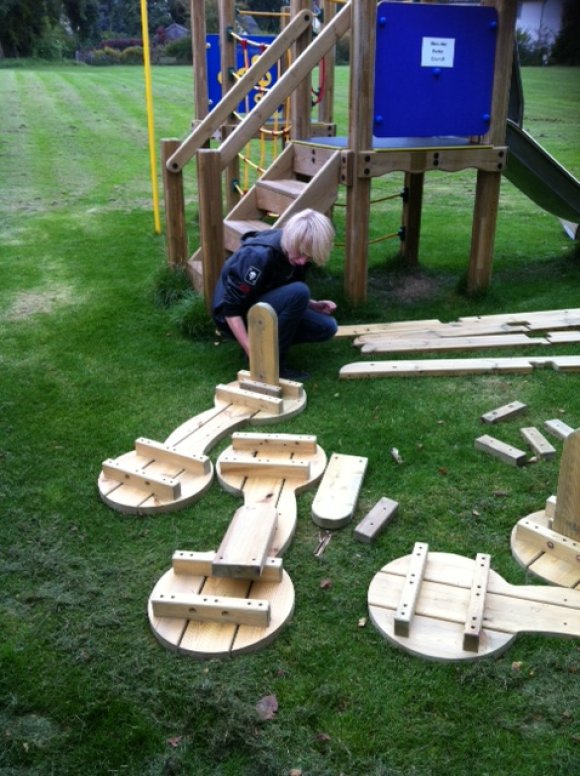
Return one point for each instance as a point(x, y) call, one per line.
point(284, 87)
point(225, 107)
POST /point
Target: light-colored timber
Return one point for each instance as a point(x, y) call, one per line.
point(449, 367)
point(498, 449)
point(538, 442)
point(447, 601)
point(505, 412)
point(337, 495)
point(375, 521)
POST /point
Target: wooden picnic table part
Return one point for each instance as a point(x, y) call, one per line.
point(162, 477)
point(505, 412)
point(338, 492)
point(498, 449)
point(246, 544)
point(447, 602)
point(538, 442)
point(450, 367)
point(410, 593)
point(567, 514)
point(558, 428)
point(376, 520)
point(433, 344)
point(195, 563)
point(212, 608)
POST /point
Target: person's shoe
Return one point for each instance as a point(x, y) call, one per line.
point(299, 375)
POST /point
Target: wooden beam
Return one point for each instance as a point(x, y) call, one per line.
point(174, 200)
point(199, 564)
point(212, 608)
point(475, 608)
point(409, 596)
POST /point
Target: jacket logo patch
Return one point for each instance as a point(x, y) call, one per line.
point(252, 276)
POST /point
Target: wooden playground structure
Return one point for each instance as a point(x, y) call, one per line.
point(315, 163)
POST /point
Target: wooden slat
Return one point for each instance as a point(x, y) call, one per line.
point(256, 401)
point(410, 592)
point(567, 514)
point(258, 387)
point(505, 412)
point(547, 540)
point(198, 464)
point(200, 564)
point(302, 444)
point(434, 344)
point(436, 367)
point(162, 487)
point(538, 442)
point(247, 466)
point(474, 619)
point(376, 520)
point(498, 449)
point(209, 608)
point(338, 492)
point(247, 541)
point(558, 428)
point(291, 389)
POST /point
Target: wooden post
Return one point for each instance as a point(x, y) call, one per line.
point(211, 219)
point(412, 206)
point(567, 515)
point(175, 226)
point(228, 63)
point(301, 101)
point(326, 104)
point(488, 183)
point(362, 62)
point(198, 47)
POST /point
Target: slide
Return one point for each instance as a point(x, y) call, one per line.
point(540, 177)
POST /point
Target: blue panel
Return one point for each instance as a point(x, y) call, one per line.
point(214, 76)
point(434, 69)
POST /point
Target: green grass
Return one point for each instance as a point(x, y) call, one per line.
point(89, 362)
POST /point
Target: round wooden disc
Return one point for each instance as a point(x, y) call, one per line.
point(556, 571)
point(204, 640)
point(437, 627)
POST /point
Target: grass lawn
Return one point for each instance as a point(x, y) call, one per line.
point(89, 362)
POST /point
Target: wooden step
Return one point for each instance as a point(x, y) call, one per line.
point(275, 196)
point(235, 230)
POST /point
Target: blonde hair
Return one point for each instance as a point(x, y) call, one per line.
point(308, 233)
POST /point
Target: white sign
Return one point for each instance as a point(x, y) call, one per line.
point(437, 52)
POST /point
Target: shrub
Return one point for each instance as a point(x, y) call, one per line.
point(105, 56)
point(181, 50)
point(132, 56)
point(121, 43)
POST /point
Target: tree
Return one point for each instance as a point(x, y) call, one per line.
point(24, 22)
point(566, 50)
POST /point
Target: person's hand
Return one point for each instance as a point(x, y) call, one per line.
point(324, 306)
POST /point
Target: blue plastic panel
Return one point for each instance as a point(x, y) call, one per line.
point(434, 69)
point(214, 86)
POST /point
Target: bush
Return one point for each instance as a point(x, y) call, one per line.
point(533, 51)
point(343, 50)
point(105, 56)
point(181, 50)
point(132, 56)
point(120, 44)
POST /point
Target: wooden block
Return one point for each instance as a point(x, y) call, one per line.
point(376, 520)
point(198, 464)
point(410, 593)
point(263, 339)
point(501, 450)
point(338, 492)
point(162, 487)
point(304, 444)
point(248, 466)
point(505, 412)
point(290, 388)
point(246, 544)
point(210, 608)
point(558, 428)
point(200, 564)
point(550, 507)
point(255, 401)
point(549, 541)
point(257, 387)
point(477, 598)
point(538, 442)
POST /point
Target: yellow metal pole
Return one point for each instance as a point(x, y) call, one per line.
point(150, 122)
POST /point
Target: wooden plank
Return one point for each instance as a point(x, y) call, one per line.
point(295, 443)
point(247, 541)
point(549, 541)
point(196, 564)
point(563, 337)
point(258, 387)
point(435, 367)
point(558, 428)
point(290, 388)
point(375, 521)
point(498, 449)
point(338, 492)
point(505, 412)
point(434, 344)
point(208, 608)
point(567, 516)
point(248, 466)
point(263, 337)
point(198, 464)
point(410, 592)
point(162, 487)
point(360, 329)
point(538, 442)
point(474, 620)
point(255, 401)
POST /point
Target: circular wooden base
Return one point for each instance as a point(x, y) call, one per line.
point(542, 564)
point(205, 640)
point(438, 625)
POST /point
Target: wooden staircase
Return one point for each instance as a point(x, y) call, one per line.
point(303, 176)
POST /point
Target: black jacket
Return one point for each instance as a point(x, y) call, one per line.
point(258, 266)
